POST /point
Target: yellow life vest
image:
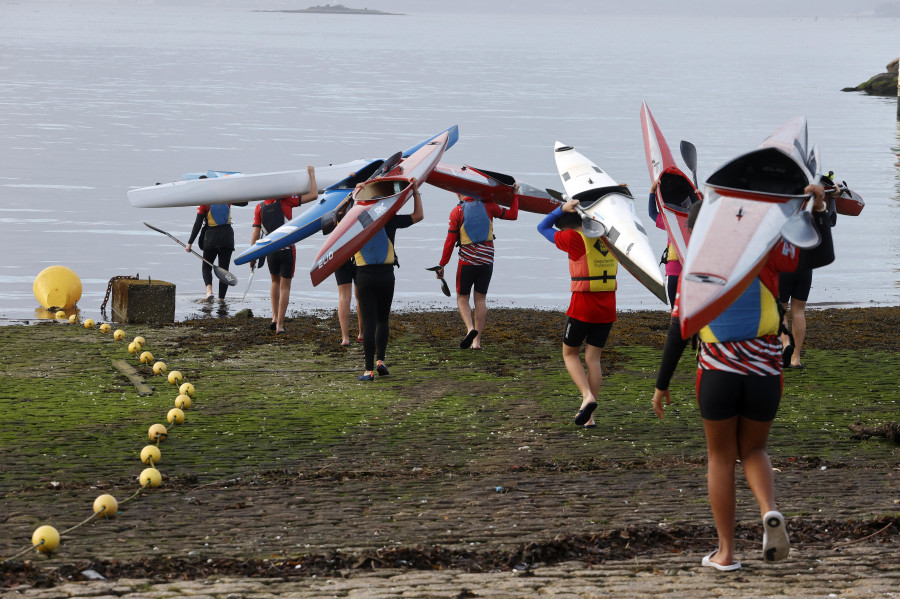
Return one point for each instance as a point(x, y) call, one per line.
point(596, 270)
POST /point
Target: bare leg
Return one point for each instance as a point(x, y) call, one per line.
point(752, 437)
point(284, 297)
point(722, 450)
point(785, 339)
point(798, 328)
point(572, 360)
point(465, 312)
point(592, 356)
point(344, 292)
point(274, 291)
point(480, 316)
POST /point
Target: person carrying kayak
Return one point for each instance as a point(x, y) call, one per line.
point(269, 215)
point(739, 386)
point(472, 229)
point(375, 263)
point(670, 258)
point(592, 307)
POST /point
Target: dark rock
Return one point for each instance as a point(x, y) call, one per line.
point(883, 84)
point(245, 313)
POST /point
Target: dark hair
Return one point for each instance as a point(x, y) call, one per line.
point(568, 220)
point(692, 214)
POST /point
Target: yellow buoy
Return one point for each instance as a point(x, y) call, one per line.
point(73, 319)
point(105, 328)
point(60, 314)
point(159, 368)
point(57, 287)
point(183, 402)
point(150, 454)
point(150, 477)
point(140, 341)
point(157, 432)
point(186, 389)
point(89, 324)
point(132, 348)
point(106, 504)
point(45, 538)
point(146, 357)
point(175, 415)
point(175, 377)
point(119, 335)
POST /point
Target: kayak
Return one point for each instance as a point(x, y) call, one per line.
point(751, 202)
point(675, 193)
point(375, 202)
point(239, 187)
point(608, 212)
point(310, 221)
point(491, 186)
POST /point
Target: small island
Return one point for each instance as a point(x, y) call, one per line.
point(335, 9)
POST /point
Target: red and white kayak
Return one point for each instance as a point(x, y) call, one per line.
point(675, 193)
point(749, 201)
point(374, 203)
point(611, 208)
point(491, 186)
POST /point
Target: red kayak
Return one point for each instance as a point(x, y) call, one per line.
point(675, 192)
point(491, 186)
point(374, 203)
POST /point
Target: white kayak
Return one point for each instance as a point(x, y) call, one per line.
point(751, 202)
point(239, 187)
point(608, 212)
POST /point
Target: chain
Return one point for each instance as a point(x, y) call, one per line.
point(110, 286)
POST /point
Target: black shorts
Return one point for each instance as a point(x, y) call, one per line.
point(723, 395)
point(346, 273)
point(794, 285)
point(477, 275)
point(282, 262)
point(577, 332)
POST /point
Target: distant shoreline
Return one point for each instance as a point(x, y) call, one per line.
point(337, 9)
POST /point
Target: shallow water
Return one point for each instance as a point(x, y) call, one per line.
point(99, 99)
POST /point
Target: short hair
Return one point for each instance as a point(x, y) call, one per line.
point(568, 220)
point(692, 214)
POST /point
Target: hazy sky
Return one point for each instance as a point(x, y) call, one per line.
point(809, 8)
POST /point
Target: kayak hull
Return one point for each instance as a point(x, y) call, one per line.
point(491, 186)
point(375, 202)
point(608, 203)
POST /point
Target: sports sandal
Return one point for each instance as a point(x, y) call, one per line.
point(707, 561)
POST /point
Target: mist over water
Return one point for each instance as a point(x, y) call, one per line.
point(97, 100)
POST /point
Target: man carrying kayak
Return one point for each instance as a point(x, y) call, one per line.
point(592, 308)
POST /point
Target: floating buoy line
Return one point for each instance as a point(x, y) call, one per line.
point(47, 538)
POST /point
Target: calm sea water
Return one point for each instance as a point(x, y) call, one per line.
point(99, 99)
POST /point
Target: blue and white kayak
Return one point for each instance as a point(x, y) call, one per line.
point(309, 221)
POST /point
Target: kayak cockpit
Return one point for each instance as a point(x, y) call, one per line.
point(767, 170)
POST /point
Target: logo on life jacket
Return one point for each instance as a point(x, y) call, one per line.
point(219, 214)
point(477, 226)
point(596, 270)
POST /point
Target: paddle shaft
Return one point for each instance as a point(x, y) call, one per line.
point(250, 280)
point(221, 273)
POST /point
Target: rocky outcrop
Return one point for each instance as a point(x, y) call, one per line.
point(883, 84)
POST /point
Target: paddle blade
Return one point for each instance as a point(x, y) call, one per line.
point(225, 276)
point(689, 153)
point(445, 288)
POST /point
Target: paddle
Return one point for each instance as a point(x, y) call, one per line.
point(689, 153)
point(250, 280)
point(444, 286)
point(221, 273)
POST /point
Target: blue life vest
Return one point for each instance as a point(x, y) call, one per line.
point(753, 314)
point(219, 214)
point(378, 250)
point(477, 226)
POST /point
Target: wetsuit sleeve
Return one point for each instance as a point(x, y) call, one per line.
point(402, 221)
point(822, 254)
point(545, 227)
point(452, 235)
point(652, 210)
point(671, 355)
point(198, 222)
point(511, 213)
